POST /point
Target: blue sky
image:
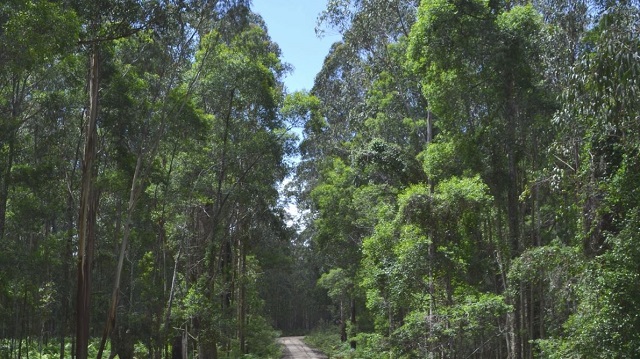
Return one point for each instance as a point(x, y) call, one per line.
point(291, 24)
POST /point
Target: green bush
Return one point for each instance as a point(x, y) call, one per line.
point(50, 350)
point(326, 338)
point(261, 339)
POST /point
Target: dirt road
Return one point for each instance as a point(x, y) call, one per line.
point(294, 348)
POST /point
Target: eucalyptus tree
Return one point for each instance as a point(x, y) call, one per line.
point(481, 75)
point(103, 22)
point(237, 77)
point(364, 85)
point(144, 104)
point(153, 44)
point(371, 121)
point(596, 153)
point(35, 111)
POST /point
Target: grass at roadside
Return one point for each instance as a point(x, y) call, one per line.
point(327, 340)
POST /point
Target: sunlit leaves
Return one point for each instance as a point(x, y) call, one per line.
point(337, 283)
point(301, 109)
point(599, 126)
point(431, 238)
point(36, 32)
point(247, 69)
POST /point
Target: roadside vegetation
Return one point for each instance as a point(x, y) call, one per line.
point(467, 181)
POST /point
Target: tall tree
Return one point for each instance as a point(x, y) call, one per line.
point(597, 157)
point(481, 75)
point(238, 84)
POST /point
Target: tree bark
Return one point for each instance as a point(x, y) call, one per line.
point(353, 343)
point(4, 187)
point(242, 305)
point(87, 216)
point(167, 318)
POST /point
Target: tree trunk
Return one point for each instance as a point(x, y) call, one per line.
point(242, 303)
point(343, 324)
point(167, 318)
point(4, 187)
point(66, 270)
point(179, 347)
point(353, 343)
point(133, 197)
point(87, 216)
point(513, 206)
point(11, 128)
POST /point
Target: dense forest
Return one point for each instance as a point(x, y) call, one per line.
point(467, 176)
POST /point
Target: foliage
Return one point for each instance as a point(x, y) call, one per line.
point(186, 175)
point(517, 198)
point(326, 338)
point(467, 183)
point(47, 350)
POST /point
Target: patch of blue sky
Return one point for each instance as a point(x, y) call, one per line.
point(291, 24)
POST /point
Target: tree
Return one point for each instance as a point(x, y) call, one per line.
point(361, 138)
point(597, 134)
point(36, 66)
point(488, 84)
point(237, 76)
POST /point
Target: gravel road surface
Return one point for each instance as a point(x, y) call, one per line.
point(295, 348)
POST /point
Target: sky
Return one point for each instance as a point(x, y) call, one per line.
point(291, 24)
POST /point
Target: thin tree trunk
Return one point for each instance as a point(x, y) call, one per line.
point(133, 199)
point(343, 324)
point(167, 318)
point(87, 216)
point(66, 270)
point(353, 343)
point(242, 303)
point(5, 175)
point(4, 187)
point(513, 209)
point(510, 322)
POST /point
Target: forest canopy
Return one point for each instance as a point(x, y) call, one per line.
point(467, 178)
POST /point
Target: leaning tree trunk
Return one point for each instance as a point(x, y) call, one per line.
point(133, 197)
